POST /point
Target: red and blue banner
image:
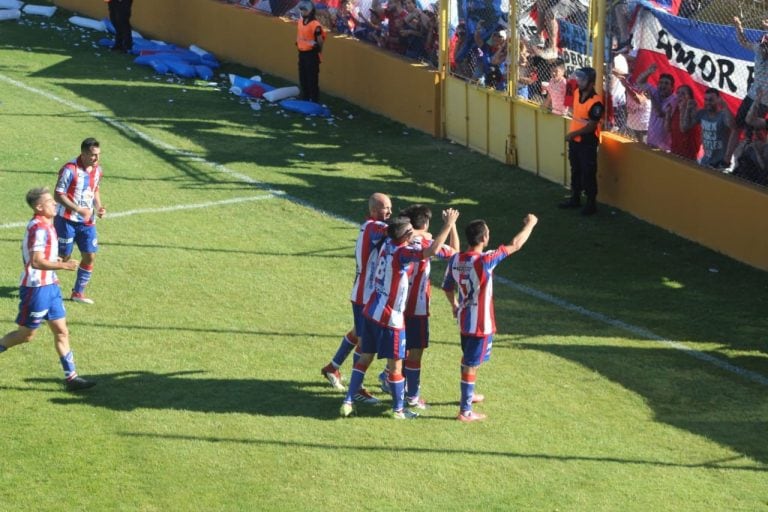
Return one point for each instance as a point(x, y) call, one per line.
point(671, 6)
point(698, 54)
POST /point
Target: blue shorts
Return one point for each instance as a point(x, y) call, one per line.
point(476, 349)
point(368, 336)
point(39, 303)
point(71, 233)
point(416, 332)
point(359, 318)
point(388, 343)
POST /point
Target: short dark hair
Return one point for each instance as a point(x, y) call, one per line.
point(89, 144)
point(476, 231)
point(712, 90)
point(668, 77)
point(34, 195)
point(398, 227)
point(419, 214)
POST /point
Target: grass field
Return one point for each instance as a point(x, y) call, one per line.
point(629, 372)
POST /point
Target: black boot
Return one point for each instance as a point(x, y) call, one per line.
point(573, 202)
point(590, 208)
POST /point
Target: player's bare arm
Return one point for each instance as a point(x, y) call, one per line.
point(449, 219)
point(70, 205)
point(517, 243)
point(40, 263)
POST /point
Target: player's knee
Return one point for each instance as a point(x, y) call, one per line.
point(25, 335)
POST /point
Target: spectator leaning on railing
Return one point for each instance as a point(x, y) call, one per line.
point(555, 89)
point(760, 77)
point(751, 155)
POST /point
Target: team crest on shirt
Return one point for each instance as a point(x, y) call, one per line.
point(87, 199)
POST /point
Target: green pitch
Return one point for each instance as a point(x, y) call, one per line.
point(221, 289)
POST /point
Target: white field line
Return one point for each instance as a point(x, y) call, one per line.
point(551, 299)
point(174, 208)
point(640, 332)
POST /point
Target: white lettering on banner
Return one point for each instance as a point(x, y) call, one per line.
point(574, 60)
point(729, 75)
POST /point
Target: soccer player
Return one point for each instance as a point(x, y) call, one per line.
point(372, 233)
point(384, 333)
point(39, 292)
point(471, 272)
point(417, 306)
point(77, 192)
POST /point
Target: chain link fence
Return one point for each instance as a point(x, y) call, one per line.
point(679, 75)
point(528, 52)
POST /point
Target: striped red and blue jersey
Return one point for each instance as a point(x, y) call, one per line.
point(419, 283)
point(472, 274)
point(386, 305)
point(372, 233)
point(80, 186)
point(40, 236)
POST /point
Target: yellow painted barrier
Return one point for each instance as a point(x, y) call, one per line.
point(698, 204)
point(358, 72)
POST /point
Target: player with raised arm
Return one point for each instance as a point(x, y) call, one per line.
point(384, 333)
point(417, 308)
point(471, 273)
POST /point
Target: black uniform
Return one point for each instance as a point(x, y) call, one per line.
point(120, 16)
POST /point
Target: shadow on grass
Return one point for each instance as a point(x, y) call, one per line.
point(184, 328)
point(192, 391)
point(475, 452)
point(342, 252)
point(9, 292)
point(669, 276)
point(611, 264)
point(681, 393)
